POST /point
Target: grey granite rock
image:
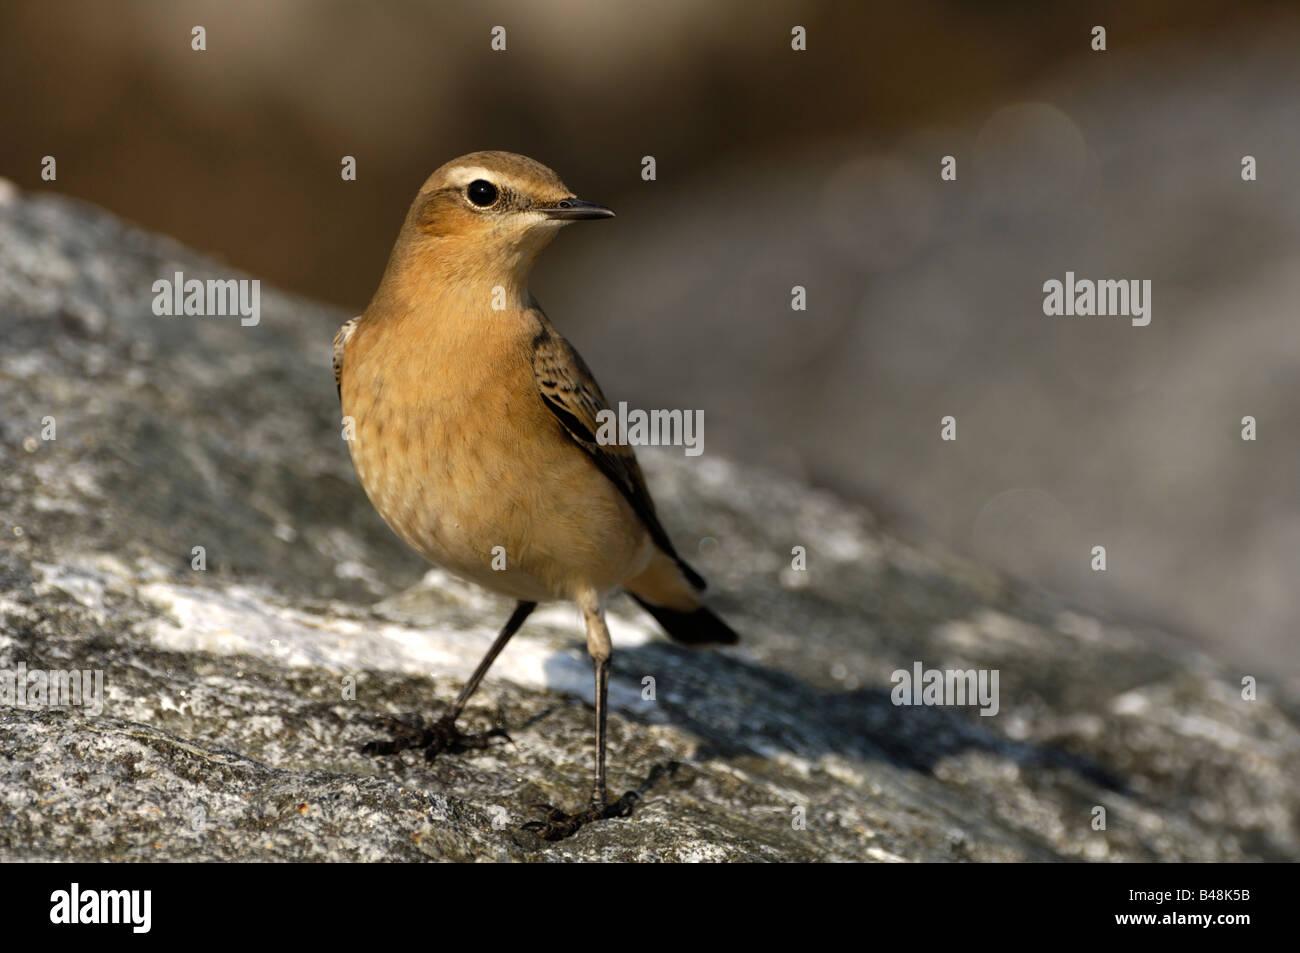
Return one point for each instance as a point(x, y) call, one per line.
point(236, 699)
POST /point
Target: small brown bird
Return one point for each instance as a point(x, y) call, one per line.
point(474, 434)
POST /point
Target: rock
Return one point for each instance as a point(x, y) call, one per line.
point(236, 699)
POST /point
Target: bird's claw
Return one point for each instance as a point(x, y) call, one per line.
point(558, 824)
point(442, 735)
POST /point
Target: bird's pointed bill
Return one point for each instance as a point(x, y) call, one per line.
point(576, 210)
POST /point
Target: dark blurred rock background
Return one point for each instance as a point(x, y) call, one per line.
point(819, 169)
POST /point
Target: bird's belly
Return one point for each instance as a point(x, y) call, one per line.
point(530, 519)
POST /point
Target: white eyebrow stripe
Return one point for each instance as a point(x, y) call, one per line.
point(465, 174)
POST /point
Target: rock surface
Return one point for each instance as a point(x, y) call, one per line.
point(236, 699)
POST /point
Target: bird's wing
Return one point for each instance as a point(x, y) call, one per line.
point(570, 391)
point(340, 345)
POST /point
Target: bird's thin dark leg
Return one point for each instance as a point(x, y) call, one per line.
point(602, 700)
point(444, 735)
point(623, 806)
point(522, 611)
point(560, 824)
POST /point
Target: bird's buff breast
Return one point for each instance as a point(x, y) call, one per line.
point(464, 477)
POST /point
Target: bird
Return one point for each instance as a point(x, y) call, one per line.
point(473, 429)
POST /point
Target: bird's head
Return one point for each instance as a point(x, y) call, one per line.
point(493, 211)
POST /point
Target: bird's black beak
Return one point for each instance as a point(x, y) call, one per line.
point(576, 210)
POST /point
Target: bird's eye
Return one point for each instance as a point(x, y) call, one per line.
point(482, 193)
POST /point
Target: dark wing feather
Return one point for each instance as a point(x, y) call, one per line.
point(569, 390)
point(340, 346)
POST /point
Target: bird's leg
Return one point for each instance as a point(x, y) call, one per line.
point(602, 696)
point(558, 824)
point(443, 735)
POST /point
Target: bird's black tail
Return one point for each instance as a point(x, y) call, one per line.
point(698, 627)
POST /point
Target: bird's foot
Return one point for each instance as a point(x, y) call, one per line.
point(442, 735)
point(557, 824)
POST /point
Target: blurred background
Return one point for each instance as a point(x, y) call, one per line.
point(779, 168)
